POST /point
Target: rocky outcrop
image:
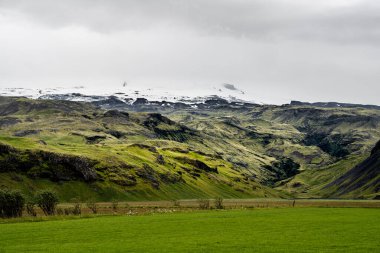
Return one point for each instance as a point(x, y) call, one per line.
point(42, 164)
point(166, 128)
point(8, 121)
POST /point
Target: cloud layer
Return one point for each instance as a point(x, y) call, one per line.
point(276, 50)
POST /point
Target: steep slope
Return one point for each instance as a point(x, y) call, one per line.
point(362, 180)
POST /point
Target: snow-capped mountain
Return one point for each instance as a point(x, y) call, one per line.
point(130, 94)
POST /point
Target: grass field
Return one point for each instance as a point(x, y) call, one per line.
point(254, 230)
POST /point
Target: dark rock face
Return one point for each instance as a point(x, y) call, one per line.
point(8, 121)
point(110, 102)
point(23, 133)
point(376, 149)
point(140, 101)
point(116, 114)
point(166, 128)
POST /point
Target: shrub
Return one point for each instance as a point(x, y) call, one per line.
point(77, 209)
point(30, 209)
point(68, 210)
point(11, 204)
point(92, 206)
point(160, 159)
point(60, 211)
point(219, 203)
point(204, 203)
point(47, 200)
point(114, 205)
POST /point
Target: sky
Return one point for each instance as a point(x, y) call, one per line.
point(273, 50)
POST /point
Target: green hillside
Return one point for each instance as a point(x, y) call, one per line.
point(81, 150)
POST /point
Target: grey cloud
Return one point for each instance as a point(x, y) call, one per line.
point(229, 86)
point(274, 50)
point(259, 19)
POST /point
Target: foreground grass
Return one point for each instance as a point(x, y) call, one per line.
point(257, 230)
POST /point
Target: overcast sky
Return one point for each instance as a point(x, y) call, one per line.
point(274, 50)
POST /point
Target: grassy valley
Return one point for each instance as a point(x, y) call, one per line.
point(262, 230)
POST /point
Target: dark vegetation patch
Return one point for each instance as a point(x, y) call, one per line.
point(178, 150)
point(363, 120)
point(170, 178)
point(116, 114)
point(93, 139)
point(335, 145)
point(115, 133)
point(307, 158)
point(160, 159)
point(149, 175)
point(197, 165)
point(237, 162)
point(42, 164)
point(9, 108)
point(282, 169)
point(122, 178)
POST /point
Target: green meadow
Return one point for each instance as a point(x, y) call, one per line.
point(250, 230)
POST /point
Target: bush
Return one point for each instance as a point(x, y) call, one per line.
point(11, 204)
point(160, 159)
point(114, 205)
point(60, 211)
point(68, 210)
point(47, 200)
point(77, 209)
point(92, 206)
point(30, 209)
point(219, 203)
point(204, 203)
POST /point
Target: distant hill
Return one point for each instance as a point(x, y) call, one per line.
point(334, 105)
